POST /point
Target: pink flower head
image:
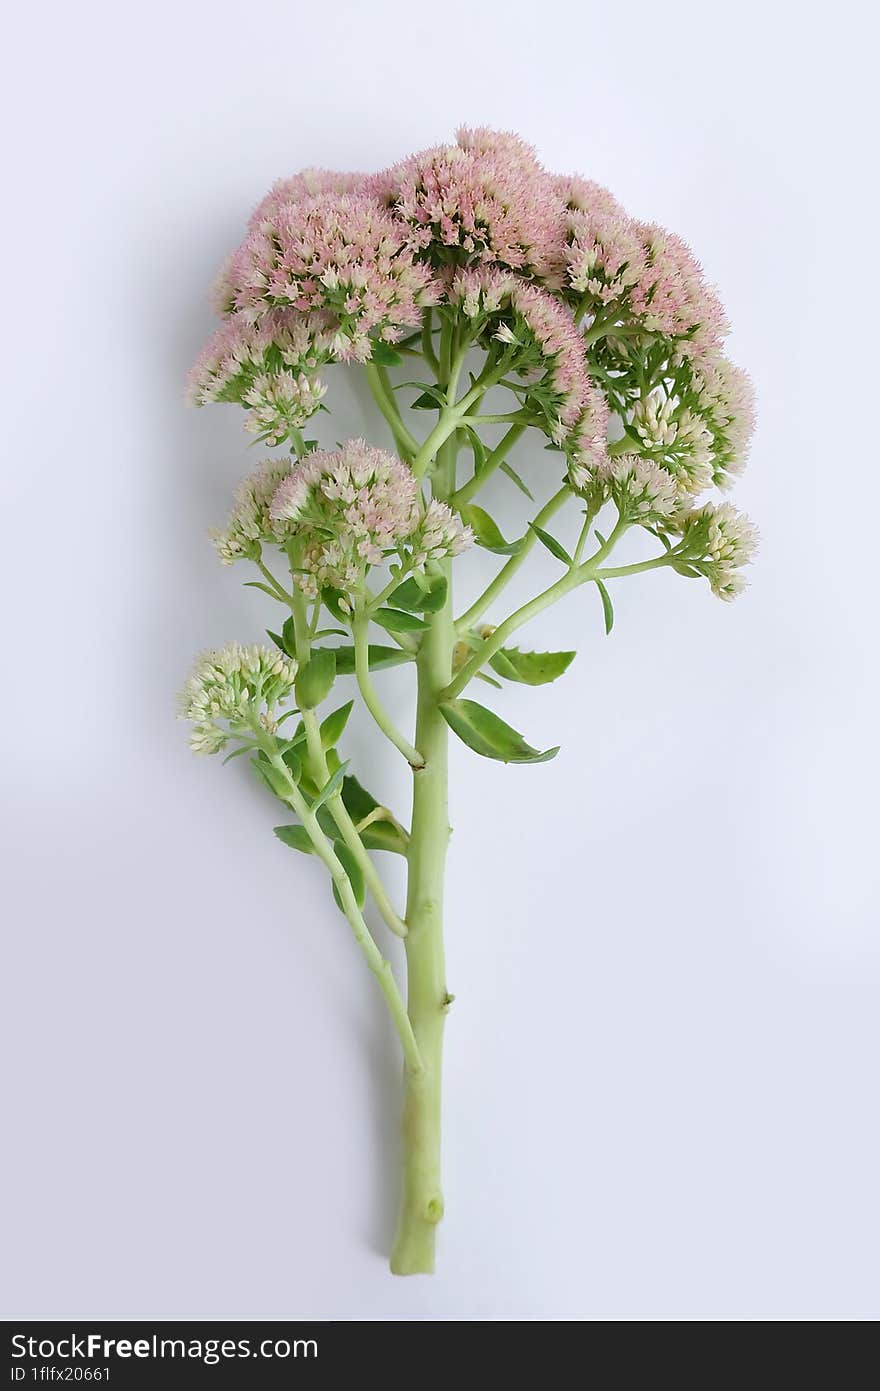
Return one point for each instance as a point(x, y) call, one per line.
point(485, 201)
point(268, 368)
point(637, 275)
point(354, 505)
point(300, 187)
point(540, 340)
point(585, 196)
point(338, 255)
point(499, 144)
point(724, 398)
point(249, 523)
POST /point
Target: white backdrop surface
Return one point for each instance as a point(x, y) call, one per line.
point(662, 1058)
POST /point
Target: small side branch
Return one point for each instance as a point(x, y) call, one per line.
point(371, 700)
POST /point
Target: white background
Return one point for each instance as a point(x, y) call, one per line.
point(661, 1066)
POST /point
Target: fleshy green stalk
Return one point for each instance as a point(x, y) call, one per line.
point(421, 1206)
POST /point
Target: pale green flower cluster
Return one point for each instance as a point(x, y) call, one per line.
point(235, 690)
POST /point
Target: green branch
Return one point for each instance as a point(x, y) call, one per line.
point(380, 968)
point(360, 628)
point(335, 804)
point(493, 461)
point(383, 395)
point(507, 572)
point(572, 579)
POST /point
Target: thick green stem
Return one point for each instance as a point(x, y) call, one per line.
point(421, 1206)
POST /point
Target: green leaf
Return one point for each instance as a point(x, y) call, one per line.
point(355, 877)
point(398, 621)
point(379, 835)
point(688, 571)
point(332, 785)
point(269, 776)
point(435, 394)
point(607, 606)
point(315, 679)
point(288, 637)
point(412, 595)
point(236, 753)
point(330, 598)
point(425, 402)
point(530, 668)
point(515, 478)
point(477, 447)
point(293, 761)
point(297, 737)
point(486, 532)
point(359, 803)
point(661, 537)
point(379, 657)
point(257, 584)
point(599, 537)
point(487, 734)
point(553, 546)
point(384, 835)
point(297, 837)
point(278, 641)
point(489, 680)
point(383, 354)
point(332, 727)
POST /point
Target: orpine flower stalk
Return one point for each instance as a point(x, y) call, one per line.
point(491, 275)
point(428, 999)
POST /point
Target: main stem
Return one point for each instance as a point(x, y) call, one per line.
point(421, 1206)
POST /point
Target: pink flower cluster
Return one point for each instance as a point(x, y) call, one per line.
point(299, 188)
point(354, 505)
point(338, 255)
point(249, 523)
point(485, 200)
point(631, 274)
point(335, 264)
point(541, 343)
point(268, 368)
point(724, 397)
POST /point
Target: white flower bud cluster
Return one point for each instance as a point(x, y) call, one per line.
point(717, 541)
point(440, 533)
point(281, 402)
point(643, 492)
point(679, 438)
point(233, 690)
